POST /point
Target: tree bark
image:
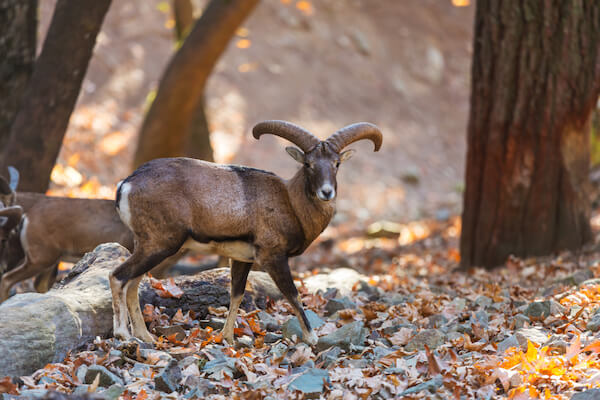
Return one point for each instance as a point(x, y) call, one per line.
point(38, 129)
point(535, 81)
point(164, 131)
point(198, 133)
point(18, 29)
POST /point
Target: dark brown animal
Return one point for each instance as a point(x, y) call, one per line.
point(248, 215)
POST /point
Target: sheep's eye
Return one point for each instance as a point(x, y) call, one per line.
point(337, 164)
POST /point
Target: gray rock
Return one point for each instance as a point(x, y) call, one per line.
point(591, 282)
point(557, 344)
point(168, 331)
point(342, 279)
point(431, 385)
point(507, 343)
point(278, 351)
point(433, 338)
point(168, 380)
point(140, 370)
point(544, 309)
point(483, 301)
point(271, 337)
point(81, 371)
point(218, 367)
point(31, 394)
point(594, 323)
point(268, 322)
point(590, 394)
point(68, 316)
point(535, 335)
point(329, 357)
point(348, 335)
point(342, 303)
point(200, 386)
point(577, 278)
point(292, 326)
point(310, 382)
point(389, 330)
point(107, 378)
point(245, 341)
point(521, 320)
point(113, 392)
point(436, 321)
point(217, 323)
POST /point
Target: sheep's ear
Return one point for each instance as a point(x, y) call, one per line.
point(346, 155)
point(296, 154)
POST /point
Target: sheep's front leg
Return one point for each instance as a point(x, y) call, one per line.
point(239, 276)
point(138, 326)
point(279, 270)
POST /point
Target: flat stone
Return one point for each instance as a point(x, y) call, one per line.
point(342, 279)
point(113, 392)
point(590, 394)
point(431, 385)
point(267, 321)
point(507, 343)
point(168, 380)
point(535, 335)
point(544, 309)
point(216, 369)
point(350, 334)
point(271, 337)
point(433, 338)
point(292, 326)
point(436, 321)
point(342, 303)
point(107, 378)
point(310, 382)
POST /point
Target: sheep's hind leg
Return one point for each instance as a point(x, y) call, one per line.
point(239, 276)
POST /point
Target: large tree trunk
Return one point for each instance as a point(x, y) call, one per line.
point(164, 131)
point(40, 124)
point(18, 29)
point(535, 81)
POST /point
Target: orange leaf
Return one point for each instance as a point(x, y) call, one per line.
point(142, 395)
point(7, 386)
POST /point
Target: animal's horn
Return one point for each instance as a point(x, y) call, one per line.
point(295, 134)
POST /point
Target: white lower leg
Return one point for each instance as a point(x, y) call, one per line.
point(138, 326)
point(234, 305)
point(120, 320)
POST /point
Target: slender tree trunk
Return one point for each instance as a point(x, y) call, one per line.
point(40, 124)
point(18, 29)
point(181, 89)
point(198, 133)
point(535, 81)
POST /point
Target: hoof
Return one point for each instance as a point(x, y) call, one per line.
point(311, 338)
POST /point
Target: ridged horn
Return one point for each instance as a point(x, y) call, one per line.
point(355, 132)
point(13, 217)
point(295, 134)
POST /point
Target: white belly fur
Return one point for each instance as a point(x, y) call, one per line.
point(236, 249)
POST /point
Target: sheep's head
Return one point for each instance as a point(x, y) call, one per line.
point(7, 189)
point(10, 217)
point(320, 159)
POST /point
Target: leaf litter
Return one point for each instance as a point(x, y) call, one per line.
point(524, 331)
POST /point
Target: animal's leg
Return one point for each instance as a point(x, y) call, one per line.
point(138, 326)
point(140, 262)
point(45, 279)
point(162, 269)
point(27, 269)
point(279, 270)
point(239, 275)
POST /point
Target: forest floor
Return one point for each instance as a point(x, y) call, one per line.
point(413, 327)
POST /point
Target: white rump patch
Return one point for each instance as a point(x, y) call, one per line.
point(124, 210)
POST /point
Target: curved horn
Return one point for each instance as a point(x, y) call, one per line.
point(295, 134)
point(14, 177)
point(355, 132)
point(13, 217)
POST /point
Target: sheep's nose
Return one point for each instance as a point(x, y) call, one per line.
point(326, 192)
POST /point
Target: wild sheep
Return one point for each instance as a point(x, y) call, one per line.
point(249, 215)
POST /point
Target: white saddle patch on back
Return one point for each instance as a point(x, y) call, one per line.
point(235, 249)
